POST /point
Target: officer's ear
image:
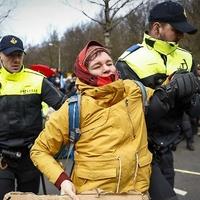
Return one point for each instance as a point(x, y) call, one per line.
point(1, 61)
point(157, 27)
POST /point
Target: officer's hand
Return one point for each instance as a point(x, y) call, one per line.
point(185, 84)
point(67, 187)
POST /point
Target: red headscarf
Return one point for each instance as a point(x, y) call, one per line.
point(81, 70)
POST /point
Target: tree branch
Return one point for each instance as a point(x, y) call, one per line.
point(120, 19)
point(111, 7)
point(116, 10)
point(95, 20)
point(3, 17)
point(93, 2)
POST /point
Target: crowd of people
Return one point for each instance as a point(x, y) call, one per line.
point(132, 114)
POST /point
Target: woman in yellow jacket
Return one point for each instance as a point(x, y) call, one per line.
point(112, 153)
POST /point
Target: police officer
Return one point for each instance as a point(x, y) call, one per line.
point(21, 94)
point(153, 62)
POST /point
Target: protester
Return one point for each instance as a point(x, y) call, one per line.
point(58, 80)
point(111, 153)
point(151, 62)
point(21, 94)
point(70, 88)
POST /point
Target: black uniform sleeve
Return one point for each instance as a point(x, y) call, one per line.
point(51, 95)
point(193, 108)
point(125, 71)
point(182, 90)
point(159, 105)
point(151, 81)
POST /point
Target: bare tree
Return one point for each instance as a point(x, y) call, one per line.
point(112, 12)
point(46, 53)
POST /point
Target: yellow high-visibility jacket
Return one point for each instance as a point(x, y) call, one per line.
point(21, 96)
point(154, 60)
point(112, 152)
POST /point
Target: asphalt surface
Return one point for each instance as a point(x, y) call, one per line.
point(187, 179)
point(187, 165)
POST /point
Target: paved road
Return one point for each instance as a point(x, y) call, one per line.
point(187, 180)
point(187, 165)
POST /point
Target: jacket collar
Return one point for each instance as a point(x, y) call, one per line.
point(106, 95)
point(160, 46)
point(11, 76)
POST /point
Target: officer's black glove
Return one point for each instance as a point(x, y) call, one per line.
point(182, 86)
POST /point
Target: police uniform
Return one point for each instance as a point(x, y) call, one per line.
point(152, 62)
point(21, 95)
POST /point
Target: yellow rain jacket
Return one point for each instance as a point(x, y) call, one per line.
point(112, 152)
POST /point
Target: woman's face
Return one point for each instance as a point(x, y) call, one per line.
point(102, 65)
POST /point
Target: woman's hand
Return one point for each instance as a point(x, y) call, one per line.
point(67, 187)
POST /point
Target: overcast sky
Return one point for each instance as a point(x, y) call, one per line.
point(32, 20)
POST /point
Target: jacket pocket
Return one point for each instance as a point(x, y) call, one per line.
point(96, 174)
point(144, 171)
point(94, 171)
point(145, 160)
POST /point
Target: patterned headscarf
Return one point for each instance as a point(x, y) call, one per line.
point(81, 65)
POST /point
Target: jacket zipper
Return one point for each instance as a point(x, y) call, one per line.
point(126, 102)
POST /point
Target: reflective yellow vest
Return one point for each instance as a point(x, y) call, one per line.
point(154, 57)
point(20, 107)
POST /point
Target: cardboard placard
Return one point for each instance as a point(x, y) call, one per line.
point(31, 196)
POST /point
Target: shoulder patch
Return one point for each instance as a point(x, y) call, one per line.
point(130, 50)
point(133, 48)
